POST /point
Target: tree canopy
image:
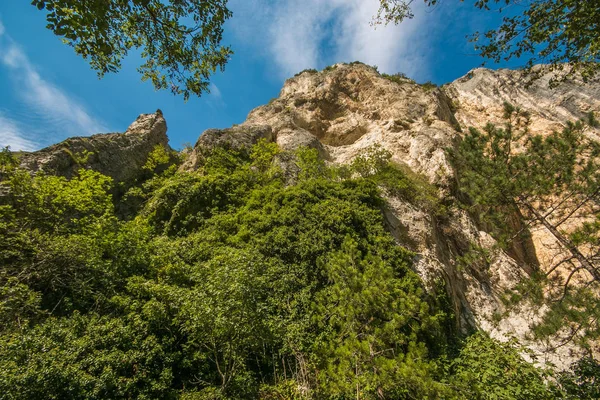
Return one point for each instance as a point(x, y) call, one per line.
point(551, 32)
point(179, 40)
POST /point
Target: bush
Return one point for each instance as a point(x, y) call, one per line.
point(308, 71)
point(398, 77)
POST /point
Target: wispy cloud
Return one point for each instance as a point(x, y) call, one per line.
point(13, 136)
point(215, 92)
point(215, 98)
point(392, 48)
point(50, 107)
point(300, 34)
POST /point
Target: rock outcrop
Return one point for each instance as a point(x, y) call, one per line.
point(118, 155)
point(234, 138)
point(347, 108)
point(478, 98)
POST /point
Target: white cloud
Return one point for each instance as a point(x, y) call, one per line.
point(299, 34)
point(2, 30)
point(12, 135)
point(51, 107)
point(215, 91)
point(392, 48)
point(215, 99)
point(12, 56)
point(296, 31)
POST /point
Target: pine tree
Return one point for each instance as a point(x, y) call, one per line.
point(552, 183)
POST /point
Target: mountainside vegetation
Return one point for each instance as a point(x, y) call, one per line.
point(233, 282)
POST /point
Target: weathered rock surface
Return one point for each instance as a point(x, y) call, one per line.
point(347, 108)
point(351, 107)
point(118, 155)
point(478, 98)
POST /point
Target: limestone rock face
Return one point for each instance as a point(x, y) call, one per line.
point(478, 98)
point(348, 108)
point(118, 155)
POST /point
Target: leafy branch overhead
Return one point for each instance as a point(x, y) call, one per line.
point(178, 40)
point(551, 32)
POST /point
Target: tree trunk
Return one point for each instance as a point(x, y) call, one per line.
point(585, 263)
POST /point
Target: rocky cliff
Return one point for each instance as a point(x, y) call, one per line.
point(345, 110)
point(118, 155)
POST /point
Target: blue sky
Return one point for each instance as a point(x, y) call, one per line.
point(47, 93)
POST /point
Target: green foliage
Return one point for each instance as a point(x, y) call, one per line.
point(18, 304)
point(487, 369)
point(592, 121)
point(226, 284)
point(552, 32)
point(8, 163)
point(500, 167)
point(88, 357)
point(509, 175)
point(158, 159)
point(369, 342)
point(308, 71)
point(263, 154)
point(372, 162)
point(397, 180)
point(55, 204)
point(582, 382)
point(179, 40)
point(428, 86)
point(311, 165)
point(476, 256)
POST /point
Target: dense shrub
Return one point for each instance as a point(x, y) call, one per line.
point(227, 284)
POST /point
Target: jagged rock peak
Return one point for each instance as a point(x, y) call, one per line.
point(118, 155)
point(349, 107)
point(148, 124)
point(346, 108)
